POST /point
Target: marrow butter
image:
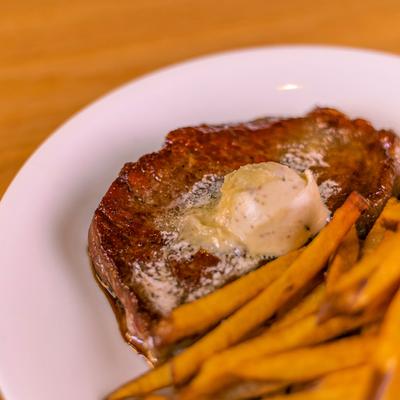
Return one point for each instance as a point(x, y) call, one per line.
point(264, 209)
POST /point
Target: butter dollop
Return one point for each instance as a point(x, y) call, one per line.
point(265, 209)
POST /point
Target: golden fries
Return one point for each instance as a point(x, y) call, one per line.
point(215, 373)
point(346, 384)
point(392, 390)
point(310, 262)
point(298, 365)
point(383, 281)
point(248, 390)
point(386, 358)
point(306, 306)
point(342, 298)
point(155, 379)
point(389, 218)
point(305, 364)
point(366, 265)
point(345, 257)
point(201, 314)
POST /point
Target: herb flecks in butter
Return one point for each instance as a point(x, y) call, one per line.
point(265, 209)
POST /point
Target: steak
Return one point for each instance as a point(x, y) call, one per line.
point(147, 273)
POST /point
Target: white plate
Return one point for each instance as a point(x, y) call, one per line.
point(58, 336)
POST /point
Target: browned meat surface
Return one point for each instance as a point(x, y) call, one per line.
point(344, 155)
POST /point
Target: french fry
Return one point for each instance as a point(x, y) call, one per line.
point(345, 257)
point(389, 217)
point(346, 384)
point(248, 390)
point(372, 328)
point(201, 314)
point(376, 246)
point(386, 358)
point(393, 387)
point(343, 295)
point(366, 265)
point(308, 305)
point(384, 279)
point(262, 307)
point(378, 286)
point(215, 373)
point(155, 379)
point(305, 364)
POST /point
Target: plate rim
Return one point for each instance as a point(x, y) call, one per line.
point(183, 63)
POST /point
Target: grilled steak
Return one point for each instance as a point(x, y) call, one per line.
point(141, 266)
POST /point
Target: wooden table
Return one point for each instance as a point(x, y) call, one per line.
point(57, 56)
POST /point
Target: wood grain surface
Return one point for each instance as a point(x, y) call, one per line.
point(56, 56)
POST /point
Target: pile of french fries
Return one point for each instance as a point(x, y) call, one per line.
point(322, 322)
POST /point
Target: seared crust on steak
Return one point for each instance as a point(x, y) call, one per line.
point(343, 154)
